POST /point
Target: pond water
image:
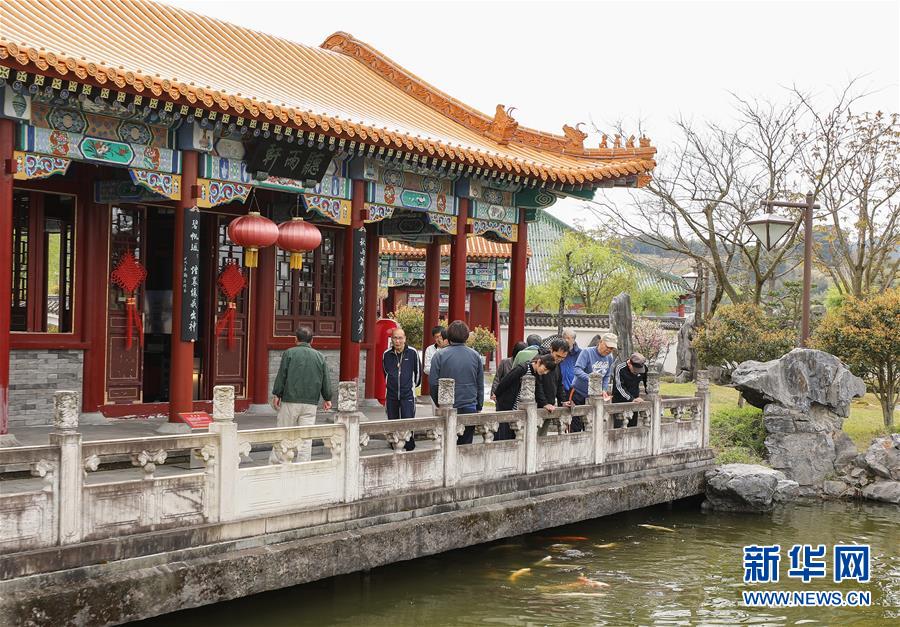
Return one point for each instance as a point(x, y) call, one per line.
point(688, 576)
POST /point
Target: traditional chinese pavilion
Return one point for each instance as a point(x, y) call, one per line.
point(146, 155)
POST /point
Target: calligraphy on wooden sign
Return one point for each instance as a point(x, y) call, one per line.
point(357, 321)
point(190, 276)
point(280, 159)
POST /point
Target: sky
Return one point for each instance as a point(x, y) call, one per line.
point(638, 62)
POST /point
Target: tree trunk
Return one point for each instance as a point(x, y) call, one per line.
point(559, 316)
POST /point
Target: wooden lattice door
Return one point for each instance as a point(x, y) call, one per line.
point(124, 366)
point(227, 365)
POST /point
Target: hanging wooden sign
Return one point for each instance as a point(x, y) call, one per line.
point(357, 308)
point(280, 159)
point(190, 276)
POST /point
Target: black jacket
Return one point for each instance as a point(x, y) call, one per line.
point(548, 388)
point(509, 387)
point(625, 385)
point(402, 372)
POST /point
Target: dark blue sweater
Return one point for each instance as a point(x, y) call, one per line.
point(402, 372)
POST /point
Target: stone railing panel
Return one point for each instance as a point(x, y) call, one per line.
point(561, 447)
point(394, 468)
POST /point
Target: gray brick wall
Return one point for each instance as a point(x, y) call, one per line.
point(34, 375)
point(332, 358)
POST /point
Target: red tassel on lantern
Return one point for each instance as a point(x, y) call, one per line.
point(298, 236)
point(252, 232)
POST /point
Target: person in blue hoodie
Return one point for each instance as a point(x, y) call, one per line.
point(402, 374)
point(598, 359)
point(567, 367)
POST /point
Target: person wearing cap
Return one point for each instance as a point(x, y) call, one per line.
point(626, 382)
point(598, 359)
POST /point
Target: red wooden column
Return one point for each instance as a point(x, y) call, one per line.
point(95, 284)
point(349, 370)
point(181, 385)
point(263, 323)
point(432, 294)
point(373, 252)
point(457, 309)
point(7, 136)
point(518, 264)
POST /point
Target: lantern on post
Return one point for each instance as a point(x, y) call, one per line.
point(252, 232)
point(298, 236)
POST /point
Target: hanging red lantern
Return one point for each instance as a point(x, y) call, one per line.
point(252, 232)
point(298, 236)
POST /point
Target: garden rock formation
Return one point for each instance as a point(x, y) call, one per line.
point(805, 396)
point(747, 488)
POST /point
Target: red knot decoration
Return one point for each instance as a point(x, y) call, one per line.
point(231, 281)
point(128, 275)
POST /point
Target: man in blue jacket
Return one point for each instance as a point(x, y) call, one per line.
point(567, 367)
point(600, 360)
point(402, 374)
point(466, 367)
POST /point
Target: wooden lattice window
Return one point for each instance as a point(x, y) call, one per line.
point(310, 295)
point(43, 270)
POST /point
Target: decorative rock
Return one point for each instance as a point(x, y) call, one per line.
point(685, 356)
point(65, 410)
point(805, 458)
point(223, 403)
point(799, 380)
point(886, 491)
point(883, 458)
point(746, 488)
point(620, 324)
point(835, 489)
point(844, 451)
point(787, 490)
point(348, 392)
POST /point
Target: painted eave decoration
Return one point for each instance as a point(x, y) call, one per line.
point(152, 49)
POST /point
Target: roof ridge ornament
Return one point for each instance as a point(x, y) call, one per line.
point(575, 137)
point(503, 126)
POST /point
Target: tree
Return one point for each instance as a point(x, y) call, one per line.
point(865, 335)
point(704, 192)
point(412, 321)
point(860, 199)
point(589, 271)
point(741, 332)
point(652, 300)
point(649, 338)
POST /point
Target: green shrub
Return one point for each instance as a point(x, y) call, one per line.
point(740, 332)
point(738, 428)
point(737, 455)
point(481, 340)
point(412, 321)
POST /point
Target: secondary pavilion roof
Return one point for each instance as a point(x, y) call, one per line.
point(344, 88)
point(476, 248)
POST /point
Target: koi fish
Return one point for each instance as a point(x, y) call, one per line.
point(543, 560)
point(560, 547)
point(656, 528)
point(518, 573)
point(502, 546)
point(608, 545)
point(575, 594)
point(591, 583)
point(569, 538)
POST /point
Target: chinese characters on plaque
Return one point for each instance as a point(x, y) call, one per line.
point(190, 277)
point(292, 161)
point(357, 324)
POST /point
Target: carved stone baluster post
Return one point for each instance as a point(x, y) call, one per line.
point(598, 407)
point(226, 470)
point(702, 381)
point(655, 409)
point(348, 415)
point(446, 398)
point(70, 474)
point(532, 423)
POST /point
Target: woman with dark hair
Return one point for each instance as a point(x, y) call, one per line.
point(510, 388)
point(505, 366)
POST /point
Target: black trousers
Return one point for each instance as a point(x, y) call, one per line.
point(403, 407)
point(469, 433)
point(577, 422)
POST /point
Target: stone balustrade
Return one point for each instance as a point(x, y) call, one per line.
point(78, 494)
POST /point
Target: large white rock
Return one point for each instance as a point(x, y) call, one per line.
point(747, 488)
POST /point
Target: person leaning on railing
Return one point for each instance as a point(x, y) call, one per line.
point(510, 388)
point(627, 383)
point(598, 359)
point(466, 367)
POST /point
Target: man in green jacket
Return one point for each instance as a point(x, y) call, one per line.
point(302, 377)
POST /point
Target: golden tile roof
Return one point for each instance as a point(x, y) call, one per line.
point(343, 88)
point(476, 248)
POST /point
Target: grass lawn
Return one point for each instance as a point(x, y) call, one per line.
point(865, 421)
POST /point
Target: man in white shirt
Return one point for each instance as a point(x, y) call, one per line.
point(439, 337)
